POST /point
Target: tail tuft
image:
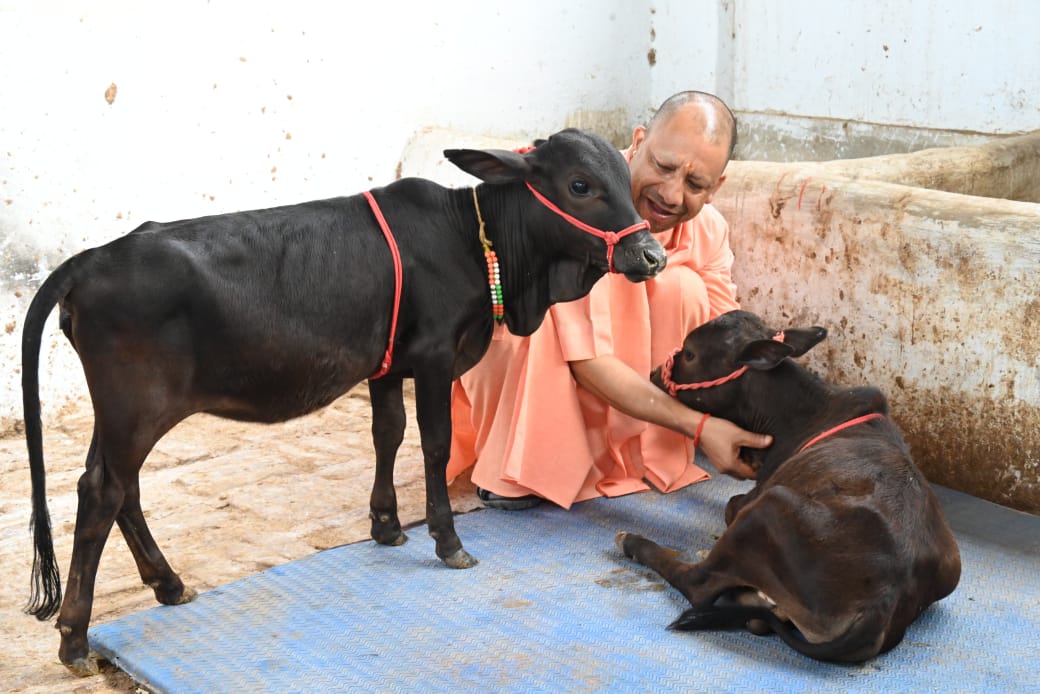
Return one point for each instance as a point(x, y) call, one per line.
point(45, 589)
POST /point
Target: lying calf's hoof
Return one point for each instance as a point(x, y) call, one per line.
point(461, 560)
point(619, 540)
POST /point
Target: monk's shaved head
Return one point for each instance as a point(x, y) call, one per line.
point(711, 113)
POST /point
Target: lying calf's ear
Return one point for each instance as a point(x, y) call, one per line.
point(491, 165)
point(763, 355)
point(804, 339)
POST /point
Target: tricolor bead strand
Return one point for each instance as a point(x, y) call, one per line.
point(498, 307)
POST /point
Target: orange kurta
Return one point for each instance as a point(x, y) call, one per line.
point(530, 428)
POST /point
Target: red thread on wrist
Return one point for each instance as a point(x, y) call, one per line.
point(700, 428)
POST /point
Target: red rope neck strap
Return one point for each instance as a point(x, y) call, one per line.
point(844, 425)
point(673, 387)
point(388, 357)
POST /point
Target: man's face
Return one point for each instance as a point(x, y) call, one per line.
point(675, 171)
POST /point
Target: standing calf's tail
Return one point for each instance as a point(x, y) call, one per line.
point(45, 595)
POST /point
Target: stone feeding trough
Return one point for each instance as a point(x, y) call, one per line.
point(925, 267)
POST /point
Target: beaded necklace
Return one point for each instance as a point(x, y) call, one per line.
point(498, 309)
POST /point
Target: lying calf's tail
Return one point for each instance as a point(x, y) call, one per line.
point(855, 645)
point(45, 596)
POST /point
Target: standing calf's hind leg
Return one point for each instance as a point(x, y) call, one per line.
point(100, 499)
point(388, 423)
point(152, 565)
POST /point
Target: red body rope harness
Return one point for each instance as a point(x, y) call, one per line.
point(844, 425)
point(388, 357)
point(673, 388)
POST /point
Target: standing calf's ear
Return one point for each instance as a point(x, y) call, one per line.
point(491, 165)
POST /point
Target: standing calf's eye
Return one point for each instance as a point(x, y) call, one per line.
point(579, 187)
point(688, 355)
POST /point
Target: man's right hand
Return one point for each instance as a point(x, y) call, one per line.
point(721, 440)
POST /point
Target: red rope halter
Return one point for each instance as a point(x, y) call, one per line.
point(611, 237)
point(673, 387)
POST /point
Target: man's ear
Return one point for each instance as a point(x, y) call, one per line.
point(638, 135)
point(491, 165)
point(718, 184)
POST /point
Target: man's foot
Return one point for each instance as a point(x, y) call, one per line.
point(507, 503)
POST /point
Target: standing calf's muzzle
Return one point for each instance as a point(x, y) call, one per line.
point(639, 257)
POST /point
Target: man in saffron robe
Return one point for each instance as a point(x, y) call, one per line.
point(568, 413)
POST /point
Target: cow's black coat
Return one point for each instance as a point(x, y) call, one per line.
point(838, 547)
point(266, 315)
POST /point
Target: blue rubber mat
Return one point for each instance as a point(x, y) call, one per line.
point(553, 607)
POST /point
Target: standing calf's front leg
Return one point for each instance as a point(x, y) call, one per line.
point(388, 423)
point(433, 409)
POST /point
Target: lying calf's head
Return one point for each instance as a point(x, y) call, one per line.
point(708, 372)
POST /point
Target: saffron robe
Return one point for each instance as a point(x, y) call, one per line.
point(526, 425)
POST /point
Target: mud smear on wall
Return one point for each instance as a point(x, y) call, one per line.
point(997, 458)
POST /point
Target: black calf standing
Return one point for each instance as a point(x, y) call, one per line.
point(267, 315)
point(841, 543)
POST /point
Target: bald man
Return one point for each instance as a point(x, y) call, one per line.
point(568, 413)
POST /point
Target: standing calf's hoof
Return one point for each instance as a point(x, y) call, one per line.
point(187, 595)
point(461, 560)
point(386, 529)
point(173, 596)
point(84, 667)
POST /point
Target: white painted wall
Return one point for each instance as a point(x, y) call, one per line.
point(230, 105)
point(921, 63)
point(227, 104)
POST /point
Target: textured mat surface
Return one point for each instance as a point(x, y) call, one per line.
point(553, 607)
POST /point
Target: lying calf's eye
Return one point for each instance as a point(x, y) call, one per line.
point(688, 355)
point(579, 187)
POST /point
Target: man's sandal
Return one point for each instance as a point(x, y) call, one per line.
point(507, 503)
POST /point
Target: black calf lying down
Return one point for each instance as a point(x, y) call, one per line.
point(841, 544)
point(267, 315)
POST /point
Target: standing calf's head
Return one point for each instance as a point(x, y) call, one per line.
point(587, 178)
point(706, 373)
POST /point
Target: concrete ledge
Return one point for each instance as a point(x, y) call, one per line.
point(1006, 168)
